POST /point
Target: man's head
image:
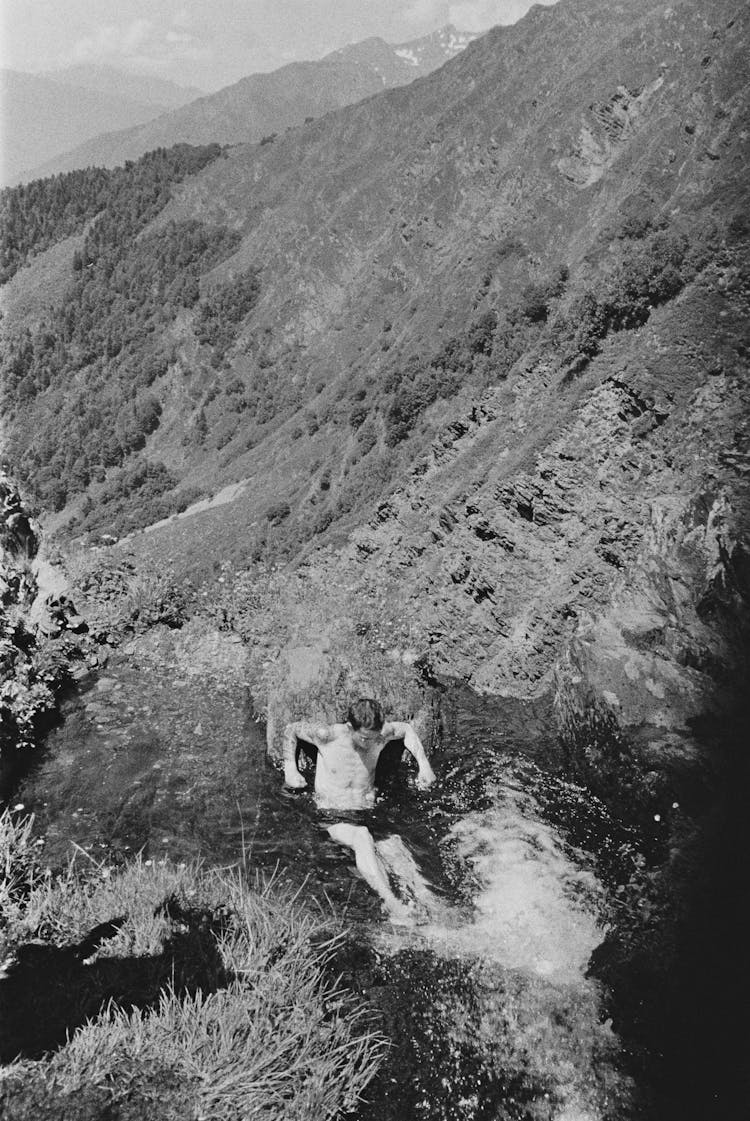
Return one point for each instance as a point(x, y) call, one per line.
point(365, 714)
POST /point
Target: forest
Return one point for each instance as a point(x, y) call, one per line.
point(36, 215)
point(88, 367)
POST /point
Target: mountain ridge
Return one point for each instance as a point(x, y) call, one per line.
point(267, 103)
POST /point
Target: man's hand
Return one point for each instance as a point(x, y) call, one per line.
point(295, 780)
point(426, 777)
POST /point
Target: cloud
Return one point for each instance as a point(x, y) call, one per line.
point(421, 13)
point(478, 15)
point(139, 44)
point(182, 18)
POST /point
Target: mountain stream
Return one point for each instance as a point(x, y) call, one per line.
point(485, 996)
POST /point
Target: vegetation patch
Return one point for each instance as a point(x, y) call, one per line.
point(121, 598)
point(141, 492)
point(222, 311)
point(183, 992)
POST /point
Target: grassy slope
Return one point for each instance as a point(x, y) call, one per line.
point(221, 1002)
point(376, 233)
point(324, 303)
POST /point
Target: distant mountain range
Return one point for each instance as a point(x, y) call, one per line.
point(42, 116)
point(263, 104)
point(146, 88)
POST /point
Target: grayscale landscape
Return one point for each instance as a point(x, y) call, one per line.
point(412, 367)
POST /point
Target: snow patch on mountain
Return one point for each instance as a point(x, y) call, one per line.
point(405, 53)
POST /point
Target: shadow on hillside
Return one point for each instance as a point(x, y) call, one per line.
point(49, 991)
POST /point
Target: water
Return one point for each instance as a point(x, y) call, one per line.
point(486, 996)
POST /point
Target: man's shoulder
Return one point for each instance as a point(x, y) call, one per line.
point(328, 732)
point(316, 731)
point(336, 730)
point(395, 729)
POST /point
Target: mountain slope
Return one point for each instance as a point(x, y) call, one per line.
point(411, 248)
point(265, 104)
point(42, 117)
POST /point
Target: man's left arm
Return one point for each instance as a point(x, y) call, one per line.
point(400, 729)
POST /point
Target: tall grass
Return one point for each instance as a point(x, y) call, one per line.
point(282, 1040)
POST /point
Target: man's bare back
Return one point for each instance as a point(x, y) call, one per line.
point(347, 758)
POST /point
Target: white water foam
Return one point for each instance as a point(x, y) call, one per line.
point(535, 908)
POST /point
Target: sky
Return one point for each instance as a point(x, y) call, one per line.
point(210, 43)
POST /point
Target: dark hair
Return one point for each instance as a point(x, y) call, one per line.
point(365, 713)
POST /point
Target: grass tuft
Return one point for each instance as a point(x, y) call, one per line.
point(278, 1038)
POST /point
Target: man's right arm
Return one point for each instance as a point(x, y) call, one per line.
point(316, 734)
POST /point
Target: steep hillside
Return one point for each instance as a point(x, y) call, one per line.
point(42, 117)
point(263, 105)
point(503, 216)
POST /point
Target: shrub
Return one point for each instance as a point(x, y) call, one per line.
point(367, 436)
point(358, 415)
point(277, 513)
point(481, 333)
point(413, 397)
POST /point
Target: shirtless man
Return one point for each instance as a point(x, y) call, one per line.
point(348, 754)
point(345, 778)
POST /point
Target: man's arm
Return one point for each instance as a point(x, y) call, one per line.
point(304, 730)
point(401, 730)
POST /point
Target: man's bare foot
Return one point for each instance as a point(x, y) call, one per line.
point(402, 914)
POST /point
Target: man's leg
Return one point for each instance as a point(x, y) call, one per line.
point(394, 854)
point(370, 866)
